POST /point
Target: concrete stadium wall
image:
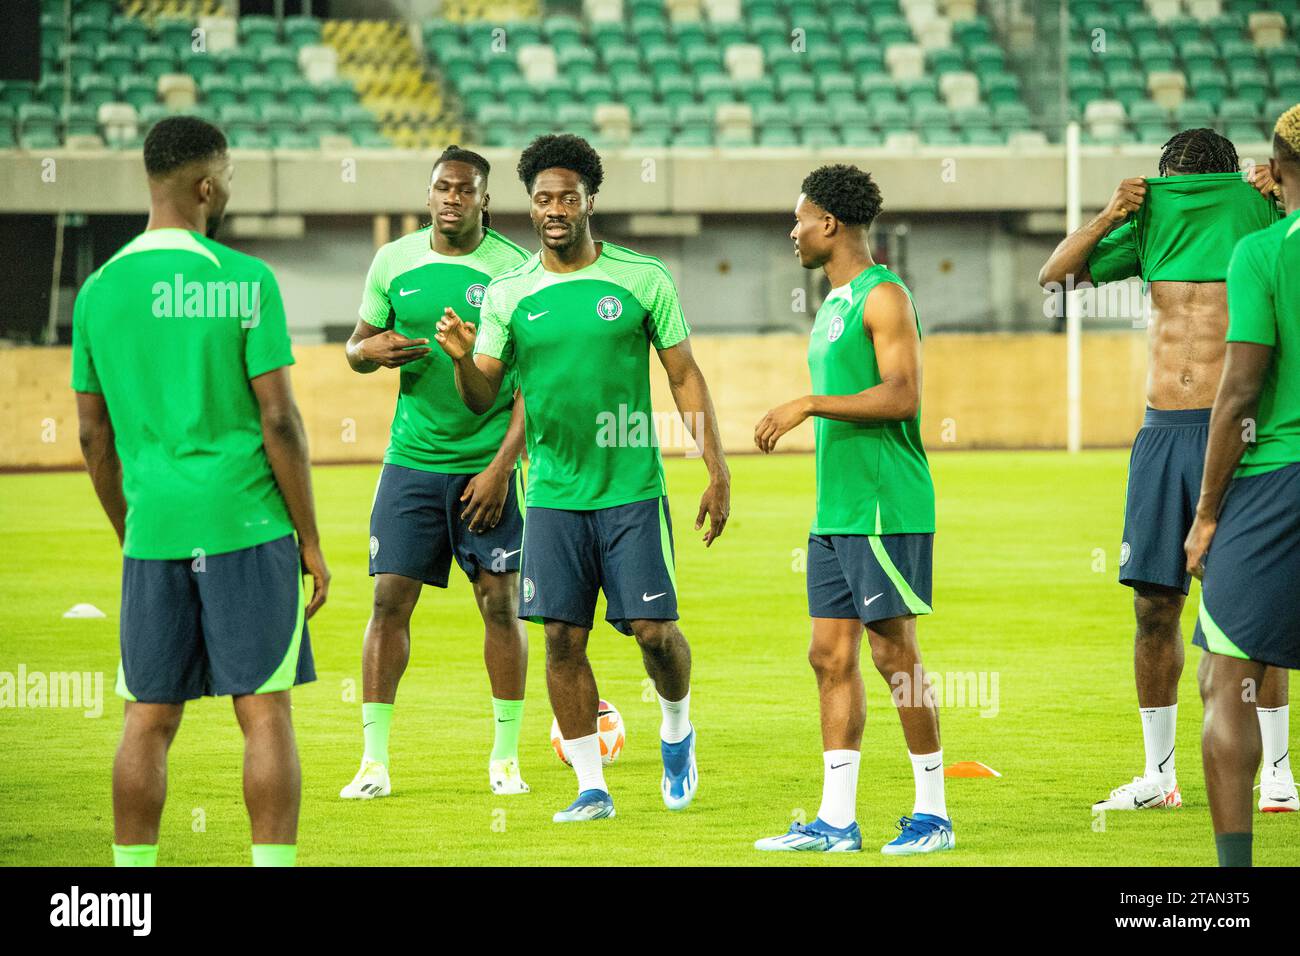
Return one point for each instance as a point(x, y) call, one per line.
point(980, 391)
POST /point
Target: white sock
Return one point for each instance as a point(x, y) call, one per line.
point(676, 725)
point(840, 787)
point(584, 754)
point(927, 771)
point(1274, 728)
point(1159, 725)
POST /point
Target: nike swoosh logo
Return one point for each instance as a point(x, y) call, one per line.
point(534, 316)
point(651, 597)
point(836, 766)
point(1283, 757)
point(506, 720)
point(405, 292)
point(1282, 799)
point(512, 553)
point(364, 726)
point(1161, 765)
point(935, 767)
point(866, 601)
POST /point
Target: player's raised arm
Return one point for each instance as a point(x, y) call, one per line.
point(1072, 257)
point(285, 440)
point(478, 377)
point(890, 321)
point(695, 404)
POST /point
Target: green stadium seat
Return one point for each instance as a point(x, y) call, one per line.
point(921, 90)
point(703, 60)
point(1153, 135)
point(237, 62)
point(773, 114)
point(1276, 106)
point(1285, 55)
point(1208, 84)
point(983, 137)
point(219, 91)
point(1239, 111)
point(90, 29)
point(1080, 57)
point(292, 139)
point(95, 90)
point(37, 121)
point(1248, 132)
point(648, 30)
point(1240, 54)
point(1194, 114)
point(573, 115)
point(54, 29)
point(1012, 117)
point(79, 119)
point(686, 35)
point(938, 136)
point(977, 117)
point(693, 116)
point(277, 117)
point(696, 137)
point(783, 61)
point(516, 91)
point(675, 90)
point(357, 120)
point(595, 88)
point(1183, 29)
point(727, 33)
point(298, 92)
point(151, 113)
point(765, 29)
point(892, 117)
point(663, 60)
point(155, 59)
point(198, 63)
point(573, 60)
point(173, 33)
point(620, 58)
point(653, 116)
point(8, 136)
point(1128, 87)
point(497, 65)
point(557, 92)
point(973, 32)
point(244, 138)
point(857, 114)
point(137, 90)
point(864, 57)
point(78, 58)
point(301, 31)
point(1249, 84)
point(988, 58)
point(797, 89)
point(54, 88)
point(634, 89)
point(819, 137)
point(715, 88)
point(319, 119)
point(653, 138)
point(1198, 53)
point(849, 26)
point(1084, 88)
point(778, 137)
point(608, 33)
point(1001, 88)
point(945, 60)
point(258, 31)
point(735, 139)
point(892, 29)
point(116, 60)
point(877, 89)
point(757, 91)
point(38, 140)
point(278, 61)
point(458, 61)
point(837, 89)
point(338, 92)
point(861, 136)
point(261, 90)
point(237, 118)
point(439, 36)
point(1156, 55)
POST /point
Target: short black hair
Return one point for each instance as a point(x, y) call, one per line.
point(564, 151)
point(177, 140)
point(846, 192)
point(1198, 151)
point(455, 154)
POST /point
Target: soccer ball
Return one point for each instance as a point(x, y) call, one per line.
point(609, 731)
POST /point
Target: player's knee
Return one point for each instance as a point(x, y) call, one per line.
point(831, 660)
point(1158, 614)
point(565, 645)
point(500, 605)
point(152, 722)
point(391, 610)
point(654, 636)
point(890, 657)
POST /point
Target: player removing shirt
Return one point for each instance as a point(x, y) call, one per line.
point(448, 488)
point(1176, 232)
point(204, 474)
point(576, 322)
point(869, 553)
point(1245, 541)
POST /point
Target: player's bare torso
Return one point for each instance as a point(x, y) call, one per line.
point(1185, 343)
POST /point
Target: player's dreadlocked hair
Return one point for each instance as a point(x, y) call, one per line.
point(846, 192)
point(177, 140)
point(1198, 151)
point(455, 154)
point(1286, 137)
point(564, 151)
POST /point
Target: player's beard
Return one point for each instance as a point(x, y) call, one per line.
point(577, 232)
point(214, 225)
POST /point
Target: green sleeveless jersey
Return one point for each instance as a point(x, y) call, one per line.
point(406, 289)
point(1264, 308)
point(872, 477)
point(580, 342)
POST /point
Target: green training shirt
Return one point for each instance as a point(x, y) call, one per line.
point(580, 342)
point(872, 477)
point(406, 289)
point(1264, 308)
point(170, 331)
point(1185, 230)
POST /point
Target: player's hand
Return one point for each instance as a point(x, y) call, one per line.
point(455, 335)
point(1198, 543)
point(486, 496)
point(313, 563)
point(716, 503)
point(779, 421)
point(1261, 177)
point(392, 349)
point(1129, 195)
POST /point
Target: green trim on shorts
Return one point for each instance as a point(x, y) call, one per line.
point(914, 603)
point(287, 672)
point(665, 542)
point(519, 493)
point(121, 688)
point(1216, 642)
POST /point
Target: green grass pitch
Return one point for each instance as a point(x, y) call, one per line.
point(1025, 590)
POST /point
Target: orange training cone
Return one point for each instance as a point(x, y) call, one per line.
point(970, 768)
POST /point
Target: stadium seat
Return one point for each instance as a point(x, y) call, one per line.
point(174, 33)
point(1208, 84)
point(177, 90)
point(675, 90)
point(297, 91)
point(79, 119)
point(220, 91)
point(220, 33)
point(115, 60)
point(301, 31)
point(90, 29)
point(237, 63)
point(715, 89)
point(199, 63)
point(634, 89)
point(1194, 114)
point(94, 90)
point(257, 32)
point(119, 124)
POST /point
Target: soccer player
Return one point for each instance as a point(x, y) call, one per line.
point(576, 322)
point(448, 488)
point(1245, 540)
point(1176, 232)
point(180, 356)
point(869, 552)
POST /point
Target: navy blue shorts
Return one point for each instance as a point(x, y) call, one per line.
point(870, 577)
point(626, 551)
point(416, 527)
point(1164, 485)
point(1250, 595)
point(214, 625)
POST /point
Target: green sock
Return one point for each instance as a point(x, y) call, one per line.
point(509, 715)
point(1234, 848)
point(375, 721)
point(140, 854)
point(275, 854)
